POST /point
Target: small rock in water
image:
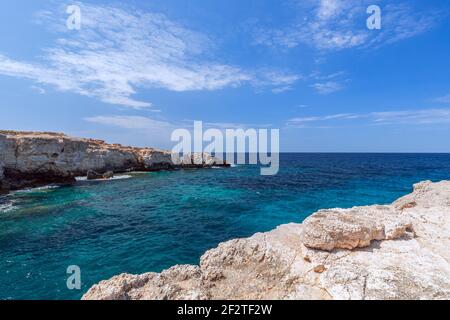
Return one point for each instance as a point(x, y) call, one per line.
point(92, 175)
point(108, 175)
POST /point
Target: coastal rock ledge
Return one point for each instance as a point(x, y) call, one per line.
point(33, 159)
point(397, 251)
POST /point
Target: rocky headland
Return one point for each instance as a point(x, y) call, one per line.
point(33, 159)
point(397, 251)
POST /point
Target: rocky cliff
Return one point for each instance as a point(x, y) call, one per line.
point(397, 251)
point(30, 159)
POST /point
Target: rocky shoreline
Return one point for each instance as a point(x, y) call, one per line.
point(397, 251)
point(34, 159)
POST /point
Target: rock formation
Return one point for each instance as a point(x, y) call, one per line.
point(30, 159)
point(93, 175)
point(397, 251)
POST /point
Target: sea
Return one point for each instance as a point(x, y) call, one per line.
point(147, 222)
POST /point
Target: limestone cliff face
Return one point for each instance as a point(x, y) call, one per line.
point(29, 159)
point(397, 251)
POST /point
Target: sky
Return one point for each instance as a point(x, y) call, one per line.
point(135, 72)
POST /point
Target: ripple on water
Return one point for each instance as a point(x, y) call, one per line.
point(7, 205)
point(38, 189)
point(121, 177)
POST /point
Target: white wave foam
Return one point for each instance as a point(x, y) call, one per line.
point(44, 188)
point(125, 176)
point(7, 207)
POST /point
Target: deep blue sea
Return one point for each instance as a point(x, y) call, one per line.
point(155, 220)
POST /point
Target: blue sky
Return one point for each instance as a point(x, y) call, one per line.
point(136, 71)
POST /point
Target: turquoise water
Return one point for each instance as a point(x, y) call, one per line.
point(154, 220)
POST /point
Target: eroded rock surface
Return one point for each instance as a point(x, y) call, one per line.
point(30, 159)
point(354, 228)
point(398, 251)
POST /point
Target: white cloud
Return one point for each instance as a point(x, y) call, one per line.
point(329, 8)
point(317, 75)
point(341, 24)
point(444, 99)
point(38, 89)
point(281, 89)
point(281, 81)
point(129, 122)
point(118, 51)
point(400, 22)
point(325, 84)
point(328, 87)
point(141, 123)
point(235, 125)
point(421, 116)
point(430, 116)
point(339, 116)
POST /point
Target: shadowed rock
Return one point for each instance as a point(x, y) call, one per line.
point(92, 175)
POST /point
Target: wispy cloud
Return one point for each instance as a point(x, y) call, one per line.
point(129, 122)
point(317, 75)
point(325, 84)
point(422, 117)
point(38, 89)
point(430, 116)
point(118, 51)
point(134, 130)
point(235, 125)
point(339, 116)
point(139, 123)
point(278, 80)
point(341, 24)
point(328, 87)
point(443, 99)
point(401, 21)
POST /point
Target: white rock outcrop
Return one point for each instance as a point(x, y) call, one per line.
point(29, 159)
point(399, 251)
